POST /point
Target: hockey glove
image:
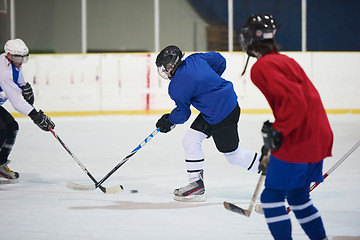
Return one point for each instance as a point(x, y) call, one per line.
point(272, 137)
point(40, 119)
point(264, 159)
point(164, 124)
point(28, 94)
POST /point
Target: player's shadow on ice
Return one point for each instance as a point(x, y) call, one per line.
point(127, 205)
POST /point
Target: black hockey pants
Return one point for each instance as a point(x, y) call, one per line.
point(224, 133)
point(8, 131)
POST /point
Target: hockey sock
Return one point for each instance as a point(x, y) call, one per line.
point(245, 158)
point(194, 168)
point(305, 212)
point(194, 156)
point(276, 215)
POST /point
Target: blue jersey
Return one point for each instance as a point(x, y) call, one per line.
point(198, 82)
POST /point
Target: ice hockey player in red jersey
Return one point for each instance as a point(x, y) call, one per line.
point(300, 137)
point(21, 97)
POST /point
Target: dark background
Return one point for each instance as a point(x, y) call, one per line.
point(332, 25)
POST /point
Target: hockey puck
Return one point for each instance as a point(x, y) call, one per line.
point(134, 191)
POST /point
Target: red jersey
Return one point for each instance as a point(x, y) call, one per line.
point(299, 113)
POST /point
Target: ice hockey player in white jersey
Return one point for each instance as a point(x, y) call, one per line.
point(21, 97)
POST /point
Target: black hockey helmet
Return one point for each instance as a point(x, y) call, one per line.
point(258, 27)
point(168, 60)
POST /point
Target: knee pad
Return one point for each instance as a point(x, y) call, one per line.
point(192, 144)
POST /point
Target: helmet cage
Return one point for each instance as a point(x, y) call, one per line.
point(168, 60)
point(162, 72)
point(167, 71)
point(19, 58)
point(246, 40)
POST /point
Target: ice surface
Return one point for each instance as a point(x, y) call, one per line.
point(41, 207)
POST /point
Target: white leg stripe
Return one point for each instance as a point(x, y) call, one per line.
point(272, 205)
point(301, 207)
point(278, 218)
point(309, 218)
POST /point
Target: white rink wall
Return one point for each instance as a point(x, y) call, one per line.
point(115, 83)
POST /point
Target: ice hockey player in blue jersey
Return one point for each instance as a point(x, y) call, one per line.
point(21, 97)
point(196, 81)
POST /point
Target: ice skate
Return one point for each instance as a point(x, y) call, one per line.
point(194, 192)
point(7, 173)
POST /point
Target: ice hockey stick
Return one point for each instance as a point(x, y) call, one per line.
point(114, 189)
point(76, 186)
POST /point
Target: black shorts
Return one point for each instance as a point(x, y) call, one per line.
point(224, 133)
point(7, 122)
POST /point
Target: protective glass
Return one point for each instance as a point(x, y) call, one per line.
point(20, 59)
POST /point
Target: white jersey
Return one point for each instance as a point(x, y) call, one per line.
point(11, 80)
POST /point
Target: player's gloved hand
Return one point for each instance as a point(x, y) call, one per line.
point(40, 119)
point(264, 159)
point(28, 94)
point(272, 137)
point(164, 124)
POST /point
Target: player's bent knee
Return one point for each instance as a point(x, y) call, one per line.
point(193, 137)
point(192, 144)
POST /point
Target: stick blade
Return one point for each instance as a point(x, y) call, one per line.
point(259, 209)
point(232, 207)
point(112, 190)
point(107, 190)
point(80, 187)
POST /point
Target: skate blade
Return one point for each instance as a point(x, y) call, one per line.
point(9, 181)
point(191, 198)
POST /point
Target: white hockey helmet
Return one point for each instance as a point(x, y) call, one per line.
point(18, 50)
